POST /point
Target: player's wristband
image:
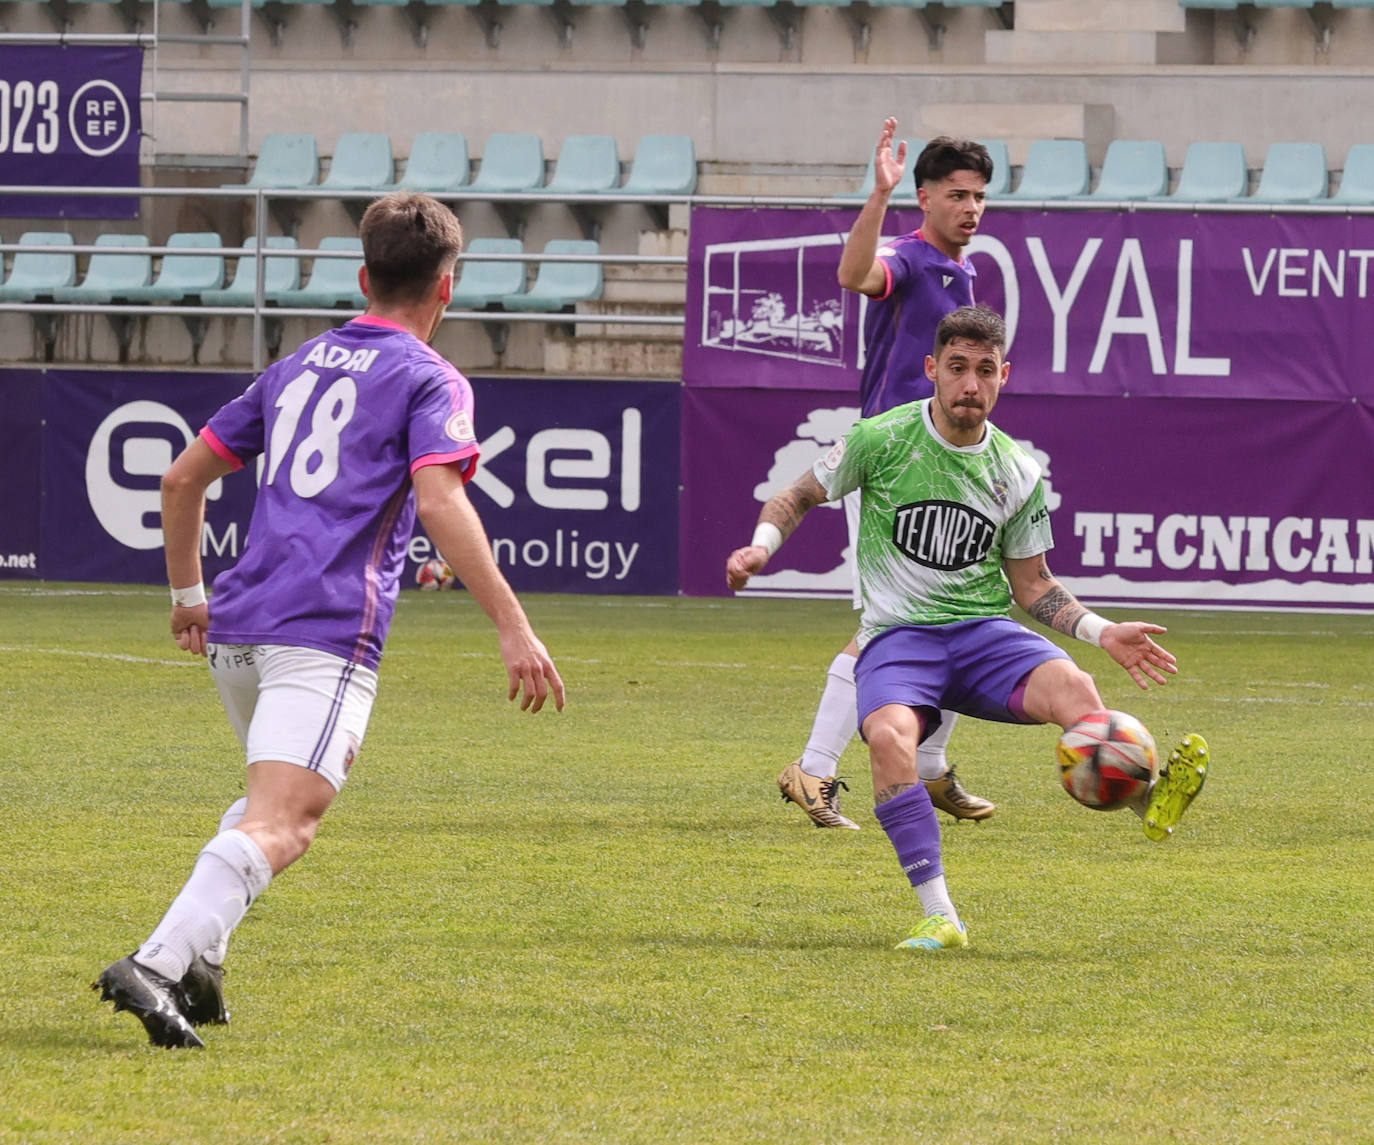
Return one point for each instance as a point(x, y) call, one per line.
point(768, 537)
point(190, 596)
point(1090, 627)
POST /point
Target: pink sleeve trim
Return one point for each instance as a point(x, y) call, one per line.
point(467, 453)
point(887, 289)
point(221, 450)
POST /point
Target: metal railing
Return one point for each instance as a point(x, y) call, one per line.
point(262, 309)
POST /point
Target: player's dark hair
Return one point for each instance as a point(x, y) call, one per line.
point(409, 240)
point(980, 324)
point(945, 154)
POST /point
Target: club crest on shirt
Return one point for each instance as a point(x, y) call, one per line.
point(886, 251)
point(459, 427)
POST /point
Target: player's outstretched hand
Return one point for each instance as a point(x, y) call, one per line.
point(744, 563)
point(888, 166)
point(1129, 644)
point(189, 626)
point(531, 670)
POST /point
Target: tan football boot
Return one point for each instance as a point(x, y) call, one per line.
point(819, 798)
point(948, 794)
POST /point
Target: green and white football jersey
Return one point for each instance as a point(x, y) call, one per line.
point(936, 519)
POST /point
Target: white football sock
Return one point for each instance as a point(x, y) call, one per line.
point(930, 756)
point(836, 721)
point(934, 896)
point(217, 953)
point(229, 874)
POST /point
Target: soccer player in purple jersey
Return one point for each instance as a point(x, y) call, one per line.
point(357, 430)
point(912, 282)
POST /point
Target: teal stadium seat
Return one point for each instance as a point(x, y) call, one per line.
point(285, 162)
point(1055, 169)
point(1212, 173)
point(362, 161)
point(586, 165)
point(1000, 183)
point(333, 281)
point(41, 272)
point(110, 277)
point(1133, 169)
point(185, 276)
point(560, 285)
point(279, 275)
point(1353, 3)
point(1224, 5)
point(1292, 173)
point(438, 162)
point(1357, 180)
point(481, 284)
point(663, 165)
point(905, 191)
point(1283, 3)
point(512, 162)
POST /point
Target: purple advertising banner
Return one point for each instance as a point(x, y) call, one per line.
point(21, 460)
point(70, 117)
point(1241, 503)
point(1139, 304)
point(577, 485)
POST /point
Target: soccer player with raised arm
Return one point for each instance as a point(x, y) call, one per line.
point(357, 430)
point(911, 282)
point(953, 529)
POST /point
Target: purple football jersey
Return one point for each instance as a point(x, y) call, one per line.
point(341, 425)
point(899, 329)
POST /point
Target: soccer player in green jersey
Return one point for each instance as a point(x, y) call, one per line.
point(953, 529)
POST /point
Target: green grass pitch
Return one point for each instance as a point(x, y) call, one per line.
point(603, 926)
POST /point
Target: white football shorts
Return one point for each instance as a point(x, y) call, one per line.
point(851, 501)
point(295, 704)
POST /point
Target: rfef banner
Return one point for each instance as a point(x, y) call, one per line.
point(70, 117)
point(1215, 502)
point(577, 484)
point(1145, 303)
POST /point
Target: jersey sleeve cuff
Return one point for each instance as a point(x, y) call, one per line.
point(221, 450)
point(887, 286)
point(468, 455)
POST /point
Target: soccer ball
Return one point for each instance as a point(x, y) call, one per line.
point(1106, 760)
point(434, 575)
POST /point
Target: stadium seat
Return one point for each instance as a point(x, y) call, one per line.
point(1212, 173)
point(1055, 169)
point(1001, 166)
point(1352, 3)
point(111, 276)
point(481, 284)
point(333, 281)
point(1293, 173)
point(1221, 4)
point(906, 189)
point(512, 162)
point(39, 273)
point(1283, 3)
point(438, 162)
point(1133, 169)
point(1357, 180)
point(362, 162)
point(280, 274)
point(586, 165)
point(185, 276)
point(560, 285)
point(663, 165)
point(285, 162)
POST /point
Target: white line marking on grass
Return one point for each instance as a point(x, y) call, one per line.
point(97, 655)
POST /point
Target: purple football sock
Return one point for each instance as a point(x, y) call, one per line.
point(910, 823)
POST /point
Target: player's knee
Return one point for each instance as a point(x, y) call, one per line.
point(890, 738)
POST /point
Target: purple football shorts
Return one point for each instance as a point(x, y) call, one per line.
point(974, 667)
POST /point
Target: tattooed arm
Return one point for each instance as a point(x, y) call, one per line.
point(782, 514)
point(1034, 588)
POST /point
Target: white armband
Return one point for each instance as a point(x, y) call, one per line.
point(1090, 627)
point(189, 597)
point(767, 537)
